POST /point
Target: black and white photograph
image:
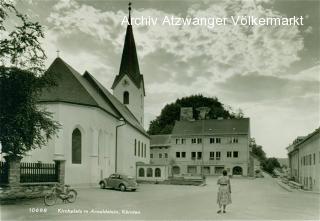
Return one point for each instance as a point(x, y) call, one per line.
point(159, 110)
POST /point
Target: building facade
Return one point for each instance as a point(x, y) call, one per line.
point(204, 147)
point(304, 161)
point(101, 133)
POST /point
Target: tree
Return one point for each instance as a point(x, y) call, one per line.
point(20, 47)
point(164, 123)
point(270, 164)
point(24, 125)
point(257, 150)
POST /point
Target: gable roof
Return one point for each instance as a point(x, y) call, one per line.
point(69, 85)
point(160, 140)
point(72, 87)
point(210, 127)
point(123, 109)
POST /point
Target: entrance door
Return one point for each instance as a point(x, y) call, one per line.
point(237, 170)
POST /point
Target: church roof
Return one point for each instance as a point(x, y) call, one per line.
point(72, 87)
point(123, 109)
point(212, 127)
point(129, 62)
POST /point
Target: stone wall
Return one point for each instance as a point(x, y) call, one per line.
point(16, 190)
point(32, 190)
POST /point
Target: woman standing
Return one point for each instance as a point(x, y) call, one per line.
point(224, 193)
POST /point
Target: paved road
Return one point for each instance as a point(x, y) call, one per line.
point(254, 199)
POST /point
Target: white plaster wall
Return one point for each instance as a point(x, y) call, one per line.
point(90, 121)
point(126, 159)
point(242, 147)
point(136, 97)
point(311, 146)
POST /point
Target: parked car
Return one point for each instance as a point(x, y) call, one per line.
point(119, 181)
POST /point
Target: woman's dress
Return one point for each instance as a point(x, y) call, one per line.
point(224, 193)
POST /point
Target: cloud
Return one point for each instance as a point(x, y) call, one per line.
point(224, 51)
point(257, 88)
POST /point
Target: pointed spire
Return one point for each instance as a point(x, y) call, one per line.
point(129, 8)
point(129, 62)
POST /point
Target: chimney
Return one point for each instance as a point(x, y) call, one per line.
point(186, 113)
point(203, 111)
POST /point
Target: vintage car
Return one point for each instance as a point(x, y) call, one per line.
point(119, 181)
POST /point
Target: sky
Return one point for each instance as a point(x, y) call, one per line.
point(270, 72)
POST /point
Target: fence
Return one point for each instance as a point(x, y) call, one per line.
point(4, 172)
point(39, 172)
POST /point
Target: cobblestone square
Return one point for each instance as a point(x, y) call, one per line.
point(253, 199)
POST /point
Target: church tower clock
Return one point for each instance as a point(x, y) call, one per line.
point(128, 86)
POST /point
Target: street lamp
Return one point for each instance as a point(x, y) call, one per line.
point(122, 123)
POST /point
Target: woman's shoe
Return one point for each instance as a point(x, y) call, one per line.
point(219, 211)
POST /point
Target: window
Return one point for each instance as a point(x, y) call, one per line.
point(177, 154)
point(160, 155)
point(183, 154)
point(141, 172)
point(142, 150)
point(165, 155)
point(149, 172)
point(199, 155)
point(218, 140)
point(212, 140)
point(218, 155)
point(193, 140)
point(235, 154)
point(193, 155)
point(211, 155)
point(151, 155)
point(145, 150)
point(234, 140)
point(199, 140)
point(183, 141)
point(76, 146)
point(135, 147)
point(139, 148)
point(229, 153)
point(157, 172)
point(178, 141)
point(126, 97)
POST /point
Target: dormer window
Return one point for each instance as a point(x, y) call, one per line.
point(126, 97)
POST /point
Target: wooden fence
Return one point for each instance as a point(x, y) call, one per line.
point(39, 172)
point(4, 172)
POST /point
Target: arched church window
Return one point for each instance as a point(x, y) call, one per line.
point(126, 97)
point(76, 146)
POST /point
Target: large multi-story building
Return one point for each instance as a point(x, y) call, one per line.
point(304, 160)
point(204, 147)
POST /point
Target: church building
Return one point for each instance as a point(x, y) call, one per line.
point(101, 133)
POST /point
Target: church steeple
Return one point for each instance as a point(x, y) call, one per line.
point(128, 85)
point(129, 61)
